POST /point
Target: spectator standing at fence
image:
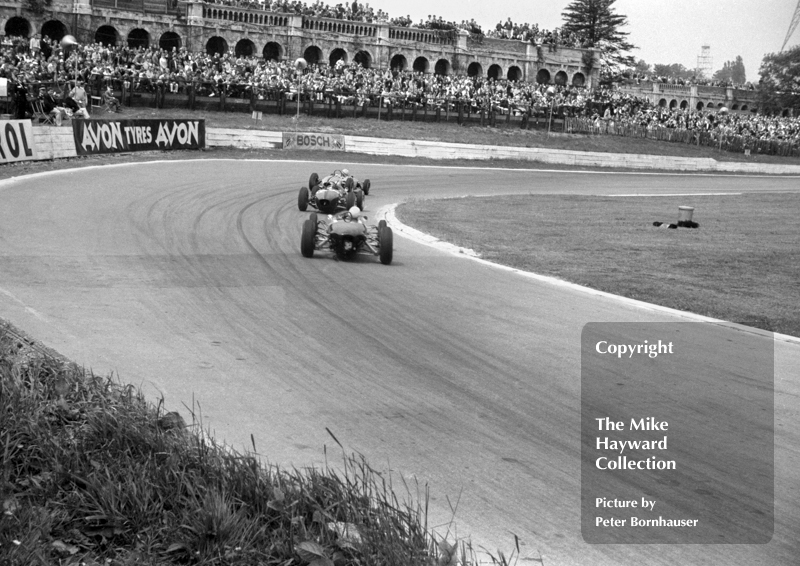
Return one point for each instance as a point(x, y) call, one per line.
point(608, 120)
point(35, 45)
point(78, 94)
point(21, 101)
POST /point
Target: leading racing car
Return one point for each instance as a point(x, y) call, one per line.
point(346, 234)
point(334, 192)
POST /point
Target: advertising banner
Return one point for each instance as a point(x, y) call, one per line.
point(114, 136)
point(313, 141)
point(16, 141)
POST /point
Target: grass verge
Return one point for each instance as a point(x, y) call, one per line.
point(502, 135)
point(742, 264)
point(92, 474)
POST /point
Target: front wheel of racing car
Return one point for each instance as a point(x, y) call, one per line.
point(349, 184)
point(385, 238)
point(365, 186)
point(314, 218)
point(302, 199)
point(313, 181)
point(308, 237)
point(381, 225)
point(359, 199)
point(350, 200)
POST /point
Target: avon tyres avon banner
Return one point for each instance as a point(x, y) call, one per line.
point(114, 136)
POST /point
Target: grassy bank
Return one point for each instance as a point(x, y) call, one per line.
point(502, 134)
point(92, 474)
point(742, 264)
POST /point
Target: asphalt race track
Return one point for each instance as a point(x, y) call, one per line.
point(186, 278)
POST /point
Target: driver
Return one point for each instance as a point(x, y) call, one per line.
point(353, 213)
point(341, 180)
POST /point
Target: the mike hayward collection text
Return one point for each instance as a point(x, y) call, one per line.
point(622, 462)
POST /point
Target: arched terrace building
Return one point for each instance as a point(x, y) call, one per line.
point(253, 31)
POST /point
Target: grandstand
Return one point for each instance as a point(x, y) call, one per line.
point(694, 96)
point(249, 29)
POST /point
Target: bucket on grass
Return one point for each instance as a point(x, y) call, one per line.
point(685, 213)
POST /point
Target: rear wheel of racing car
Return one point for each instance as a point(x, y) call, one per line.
point(308, 237)
point(385, 238)
point(313, 181)
point(302, 199)
point(350, 200)
point(349, 184)
point(360, 200)
point(365, 186)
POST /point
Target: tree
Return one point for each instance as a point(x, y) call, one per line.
point(674, 70)
point(38, 7)
point(732, 71)
point(779, 85)
point(596, 22)
point(642, 67)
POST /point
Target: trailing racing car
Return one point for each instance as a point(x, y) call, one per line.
point(334, 192)
point(346, 234)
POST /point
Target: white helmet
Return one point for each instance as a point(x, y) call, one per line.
point(354, 211)
point(346, 172)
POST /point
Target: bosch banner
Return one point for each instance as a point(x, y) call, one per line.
point(16, 141)
point(313, 141)
point(114, 136)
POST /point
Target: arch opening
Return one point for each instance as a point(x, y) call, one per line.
point(398, 62)
point(475, 69)
point(107, 35)
point(312, 55)
point(54, 30)
point(138, 38)
point(514, 73)
point(170, 41)
point(543, 76)
point(272, 51)
point(244, 48)
point(421, 65)
point(337, 55)
point(18, 27)
point(442, 67)
point(363, 58)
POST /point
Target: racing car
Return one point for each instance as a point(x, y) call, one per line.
point(346, 234)
point(334, 192)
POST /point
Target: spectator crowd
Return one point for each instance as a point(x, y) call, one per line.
point(41, 61)
point(353, 11)
point(530, 33)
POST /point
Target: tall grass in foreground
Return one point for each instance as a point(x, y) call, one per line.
point(92, 474)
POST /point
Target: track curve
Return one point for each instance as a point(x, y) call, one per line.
point(186, 278)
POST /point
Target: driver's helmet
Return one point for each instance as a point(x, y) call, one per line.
point(354, 211)
point(345, 172)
